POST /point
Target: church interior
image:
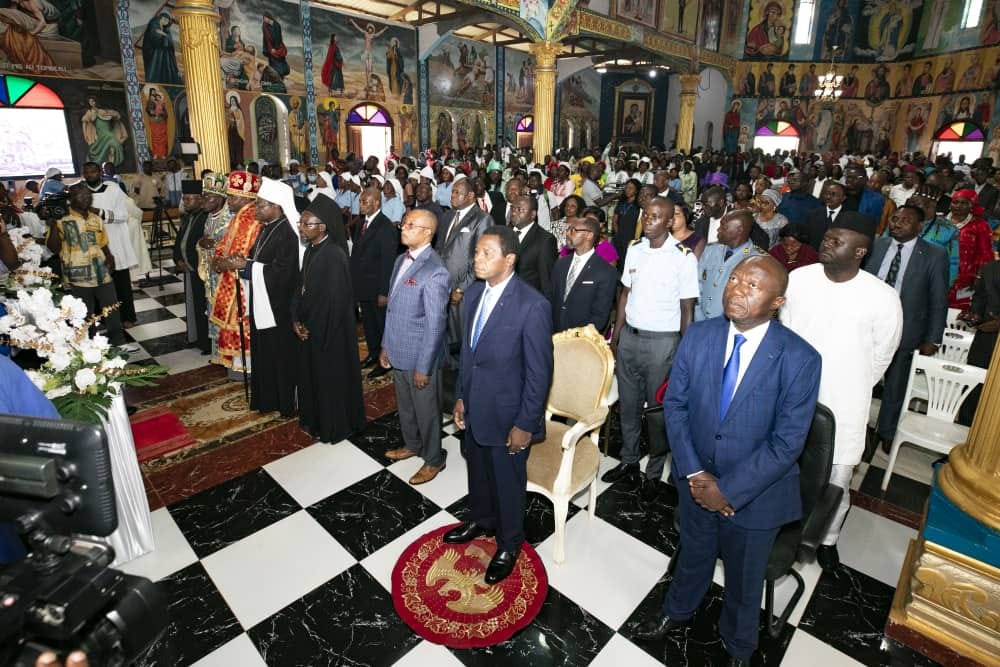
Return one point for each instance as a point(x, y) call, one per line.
point(273, 549)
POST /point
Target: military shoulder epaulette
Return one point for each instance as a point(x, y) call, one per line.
point(634, 241)
point(684, 249)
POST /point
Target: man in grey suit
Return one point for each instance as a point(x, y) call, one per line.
point(413, 343)
point(456, 245)
point(918, 270)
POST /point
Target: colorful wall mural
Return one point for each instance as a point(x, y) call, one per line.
point(60, 37)
point(908, 65)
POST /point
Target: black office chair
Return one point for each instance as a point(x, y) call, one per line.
point(797, 541)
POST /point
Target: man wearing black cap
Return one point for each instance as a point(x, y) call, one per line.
point(854, 320)
point(186, 261)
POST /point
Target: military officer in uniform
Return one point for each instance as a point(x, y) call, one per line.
point(659, 288)
point(719, 259)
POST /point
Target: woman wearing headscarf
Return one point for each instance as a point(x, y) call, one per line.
point(768, 217)
point(793, 249)
point(975, 245)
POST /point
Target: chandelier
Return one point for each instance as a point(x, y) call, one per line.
point(828, 85)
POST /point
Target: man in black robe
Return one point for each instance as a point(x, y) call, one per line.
point(331, 404)
point(325, 210)
point(186, 261)
point(271, 271)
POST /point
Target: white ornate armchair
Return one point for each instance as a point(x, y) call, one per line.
point(566, 462)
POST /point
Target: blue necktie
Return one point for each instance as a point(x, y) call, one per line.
point(730, 375)
point(477, 328)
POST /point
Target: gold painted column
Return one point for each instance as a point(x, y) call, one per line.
point(685, 121)
point(198, 21)
point(545, 96)
point(971, 478)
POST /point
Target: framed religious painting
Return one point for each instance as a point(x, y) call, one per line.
point(633, 113)
point(645, 12)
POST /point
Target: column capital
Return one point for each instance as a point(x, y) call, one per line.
point(545, 53)
point(189, 7)
point(689, 83)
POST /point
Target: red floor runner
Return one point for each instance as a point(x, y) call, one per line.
point(158, 431)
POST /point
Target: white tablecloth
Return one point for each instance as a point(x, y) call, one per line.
point(134, 536)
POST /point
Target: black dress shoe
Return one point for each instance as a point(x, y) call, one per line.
point(621, 471)
point(501, 566)
point(378, 372)
point(658, 628)
point(466, 533)
point(737, 662)
point(649, 489)
point(828, 557)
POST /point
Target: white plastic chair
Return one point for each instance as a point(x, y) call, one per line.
point(955, 345)
point(948, 385)
point(954, 323)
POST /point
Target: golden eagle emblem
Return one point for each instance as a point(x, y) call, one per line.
point(474, 595)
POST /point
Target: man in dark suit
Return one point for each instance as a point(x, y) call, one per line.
point(413, 345)
point(988, 194)
point(738, 408)
point(919, 272)
point(491, 202)
point(819, 220)
point(372, 259)
point(425, 201)
point(708, 223)
point(186, 261)
point(456, 244)
point(583, 284)
point(536, 247)
point(503, 385)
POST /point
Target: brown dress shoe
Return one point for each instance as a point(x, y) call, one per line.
point(400, 453)
point(425, 474)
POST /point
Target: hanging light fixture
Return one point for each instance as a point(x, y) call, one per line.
point(828, 85)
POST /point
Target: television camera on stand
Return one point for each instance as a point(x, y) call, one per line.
point(55, 479)
point(160, 235)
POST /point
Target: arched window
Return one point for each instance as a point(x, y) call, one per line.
point(368, 114)
point(961, 137)
point(35, 133)
point(776, 135)
point(369, 131)
point(524, 131)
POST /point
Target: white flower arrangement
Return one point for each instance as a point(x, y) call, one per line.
point(82, 373)
point(31, 273)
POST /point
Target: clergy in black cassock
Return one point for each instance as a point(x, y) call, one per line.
point(331, 404)
point(325, 209)
point(272, 269)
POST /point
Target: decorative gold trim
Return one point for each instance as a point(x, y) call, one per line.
point(952, 599)
point(594, 337)
point(602, 25)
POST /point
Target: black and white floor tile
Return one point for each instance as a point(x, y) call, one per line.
point(290, 565)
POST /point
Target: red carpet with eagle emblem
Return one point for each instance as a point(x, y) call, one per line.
point(438, 589)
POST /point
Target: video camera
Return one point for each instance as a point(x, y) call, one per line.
point(55, 476)
point(53, 207)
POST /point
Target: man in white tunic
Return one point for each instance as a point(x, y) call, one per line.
point(110, 204)
point(854, 320)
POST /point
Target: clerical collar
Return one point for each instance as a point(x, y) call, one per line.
point(321, 241)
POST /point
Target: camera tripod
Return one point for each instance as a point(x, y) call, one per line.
point(162, 229)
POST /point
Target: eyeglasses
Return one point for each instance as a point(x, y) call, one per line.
point(410, 225)
point(579, 229)
point(310, 224)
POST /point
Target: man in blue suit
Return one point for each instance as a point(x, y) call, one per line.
point(505, 370)
point(413, 343)
point(738, 408)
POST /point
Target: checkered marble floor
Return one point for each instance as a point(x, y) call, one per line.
point(290, 565)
